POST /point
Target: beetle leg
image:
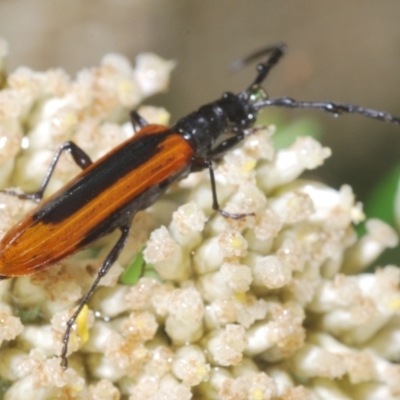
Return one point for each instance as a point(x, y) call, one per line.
point(136, 119)
point(219, 151)
point(107, 263)
point(79, 156)
point(207, 163)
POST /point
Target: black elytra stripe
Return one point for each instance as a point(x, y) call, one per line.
point(127, 211)
point(100, 178)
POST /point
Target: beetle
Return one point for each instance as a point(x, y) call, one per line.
point(108, 192)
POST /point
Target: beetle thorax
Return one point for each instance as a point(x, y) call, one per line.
point(232, 114)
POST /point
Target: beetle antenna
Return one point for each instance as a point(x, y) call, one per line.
point(328, 106)
point(275, 54)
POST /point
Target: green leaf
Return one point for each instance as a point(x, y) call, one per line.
point(29, 315)
point(382, 204)
point(4, 385)
point(382, 200)
point(134, 270)
point(286, 136)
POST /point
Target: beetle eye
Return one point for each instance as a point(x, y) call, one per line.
point(257, 94)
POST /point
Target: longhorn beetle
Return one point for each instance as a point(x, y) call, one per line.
point(107, 193)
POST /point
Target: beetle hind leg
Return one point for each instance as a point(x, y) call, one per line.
point(105, 267)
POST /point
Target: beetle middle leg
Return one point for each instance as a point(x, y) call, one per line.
point(207, 163)
point(104, 268)
point(80, 158)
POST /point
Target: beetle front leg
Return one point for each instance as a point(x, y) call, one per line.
point(218, 152)
point(105, 267)
point(79, 156)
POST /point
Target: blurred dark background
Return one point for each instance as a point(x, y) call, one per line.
point(340, 50)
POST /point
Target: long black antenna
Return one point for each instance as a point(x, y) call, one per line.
point(275, 54)
point(328, 106)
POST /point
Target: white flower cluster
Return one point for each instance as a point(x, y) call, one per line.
point(271, 306)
